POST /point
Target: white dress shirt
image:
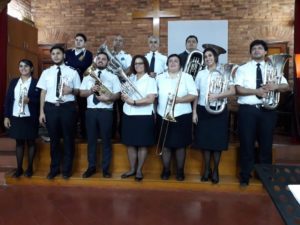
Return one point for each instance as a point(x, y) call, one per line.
point(124, 58)
point(21, 86)
point(146, 85)
point(48, 82)
point(109, 80)
point(166, 85)
point(160, 64)
point(246, 77)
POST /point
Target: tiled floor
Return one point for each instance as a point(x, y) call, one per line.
point(32, 205)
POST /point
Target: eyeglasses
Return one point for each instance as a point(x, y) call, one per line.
point(139, 63)
point(153, 42)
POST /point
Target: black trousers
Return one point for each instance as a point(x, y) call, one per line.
point(99, 121)
point(255, 124)
point(61, 122)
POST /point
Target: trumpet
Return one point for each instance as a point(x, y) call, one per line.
point(23, 94)
point(218, 83)
point(61, 89)
point(103, 90)
point(273, 74)
point(168, 116)
point(116, 68)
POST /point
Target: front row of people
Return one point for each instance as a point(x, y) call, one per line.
point(176, 94)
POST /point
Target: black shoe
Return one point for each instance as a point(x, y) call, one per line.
point(206, 176)
point(106, 174)
point(89, 172)
point(28, 173)
point(18, 173)
point(165, 175)
point(52, 174)
point(244, 182)
point(139, 177)
point(126, 175)
point(66, 176)
point(180, 175)
point(215, 176)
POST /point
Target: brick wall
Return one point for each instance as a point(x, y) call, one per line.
point(59, 20)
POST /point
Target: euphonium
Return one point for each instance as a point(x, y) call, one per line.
point(103, 90)
point(23, 93)
point(273, 74)
point(218, 80)
point(116, 68)
point(194, 63)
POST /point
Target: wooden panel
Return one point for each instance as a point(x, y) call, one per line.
point(14, 55)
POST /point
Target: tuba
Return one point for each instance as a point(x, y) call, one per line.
point(116, 68)
point(103, 90)
point(218, 81)
point(273, 74)
point(194, 63)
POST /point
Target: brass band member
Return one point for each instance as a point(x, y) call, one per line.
point(59, 84)
point(99, 114)
point(191, 44)
point(211, 131)
point(21, 115)
point(255, 122)
point(138, 119)
point(179, 134)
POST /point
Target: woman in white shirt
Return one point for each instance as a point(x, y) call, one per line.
point(211, 131)
point(138, 128)
point(179, 85)
point(21, 111)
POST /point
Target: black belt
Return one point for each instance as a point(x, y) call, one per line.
point(60, 103)
point(258, 106)
point(100, 109)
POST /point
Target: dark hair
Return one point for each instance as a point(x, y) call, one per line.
point(103, 53)
point(258, 42)
point(174, 55)
point(145, 61)
point(191, 36)
point(81, 35)
point(28, 63)
point(57, 47)
point(213, 51)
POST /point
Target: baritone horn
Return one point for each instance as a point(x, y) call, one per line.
point(273, 74)
point(103, 90)
point(218, 81)
point(116, 68)
point(194, 63)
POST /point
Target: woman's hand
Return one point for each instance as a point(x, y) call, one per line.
point(7, 123)
point(195, 118)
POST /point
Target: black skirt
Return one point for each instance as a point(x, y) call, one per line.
point(23, 128)
point(179, 134)
point(211, 131)
point(138, 130)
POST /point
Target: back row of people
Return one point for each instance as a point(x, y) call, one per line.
point(172, 88)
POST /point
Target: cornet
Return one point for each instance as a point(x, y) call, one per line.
point(23, 94)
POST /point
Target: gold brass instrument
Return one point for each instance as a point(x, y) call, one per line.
point(218, 80)
point(194, 63)
point(168, 116)
point(103, 90)
point(116, 68)
point(273, 74)
point(23, 94)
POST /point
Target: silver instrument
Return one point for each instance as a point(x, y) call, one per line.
point(61, 84)
point(194, 63)
point(23, 94)
point(218, 81)
point(273, 74)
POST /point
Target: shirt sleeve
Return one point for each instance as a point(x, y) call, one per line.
point(84, 83)
point(191, 86)
point(76, 81)
point(152, 88)
point(238, 80)
point(116, 84)
point(42, 81)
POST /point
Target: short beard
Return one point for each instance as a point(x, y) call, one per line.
point(101, 67)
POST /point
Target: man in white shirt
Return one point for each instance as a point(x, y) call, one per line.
point(123, 57)
point(59, 85)
point(99, 113)
point(157, 61)
point(256, 123)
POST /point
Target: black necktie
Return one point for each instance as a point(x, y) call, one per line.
point(259, 80)
point(58, 81)
point(95, 100)
point(152, 63)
